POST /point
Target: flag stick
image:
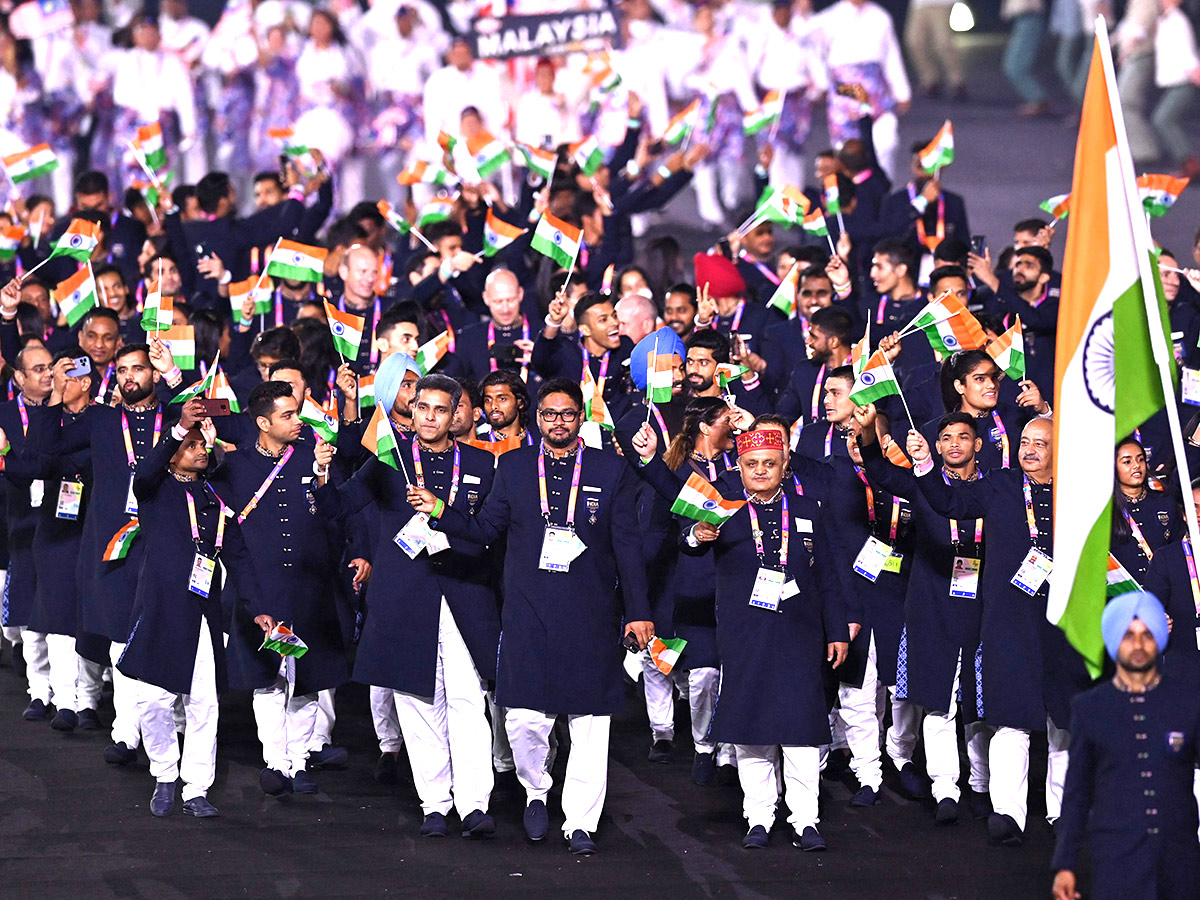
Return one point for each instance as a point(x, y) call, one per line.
point(157, 329)
point(649, 387)
point(907, 330)
point(263, 273)
point(141, 161)
point(841, 224)
point(775, 125)
point(37, 232)
point(35, 268)
point(570, 270)
point(911, 421)
point(832, 249)
point(424, 240)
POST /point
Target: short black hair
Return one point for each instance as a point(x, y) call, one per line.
point(106, 269)
point(712, 340)
point(518, 387)
point(286, 365)
point(561, 386)
point(682, 287)
point(409, 311)
point(91, 182)
point(952, 250)
point(471, 391)
point(280, 343)
point(416, 262)
point(435, 231)
point(898, 253)
point(846, 372)
point(946, 272)
point(958, 417)
point(264, 396)
point(443, 383)
point(135, 347)
point(814, 272)
point(343, 233)
point(150, 269)
point(835, 322)
point(587, 301)
point(182, 194)
point(103, 312)
point(211, 190)
point(1030, 226)
point(268, 176)
point(1044, 257)
point(365, 209)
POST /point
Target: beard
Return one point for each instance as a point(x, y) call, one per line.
point(138, 394)
point(1022, 286)
point(500, 422)
point(561, 443)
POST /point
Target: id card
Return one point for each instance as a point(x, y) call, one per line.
point(201, 578)
point(131, 506)
point(768, 589)
point(893, 563)
point(414, 536)
point(436, 542)
point(1034, 571)
point(1190, 385)
point(872, 558)
point(70, 497)
point(37, 493)
point(964, 579)
point(560, 547)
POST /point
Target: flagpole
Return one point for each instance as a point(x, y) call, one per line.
point(34, 269)
point(649, 387)
point(775, 125)
point(571, 270)
point(415, 230)
point(841, 224)
point(157, 329)
point(829, 237)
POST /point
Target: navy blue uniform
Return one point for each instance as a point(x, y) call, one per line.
point(22, 516)
point(1177, 585)
point(1156, 516)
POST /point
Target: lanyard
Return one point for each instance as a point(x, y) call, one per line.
point(24, 414)
point(491, 340)
point(894, 525)
point(930, 243)
point(737, 317)
point(108, 374)
point(543, 497)
point(816, 395)
point(757, 533)
point(331, 382)
point(587, 358)
point(1191, 566)
point(129, 455)
point(191, 504)
point(954, 537)
point(265, 486)
point(374, 326)
point(1004, 445)
point(454, 475)
point(710, 465)
point(829, 444)
point(764, 269)
point(661, 422)
point(1033, 529)
point(796, 482)
point(1137, 535)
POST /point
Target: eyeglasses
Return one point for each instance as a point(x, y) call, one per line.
point(552, 415)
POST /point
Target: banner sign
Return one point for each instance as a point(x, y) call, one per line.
point(512, 36)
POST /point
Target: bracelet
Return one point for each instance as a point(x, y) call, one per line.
point(550, 324)
point(245, 323)
point(439, 507)
point(226, 277)
point(664, 171)
point(178, 431)
point(296, 193)
point(173, 375)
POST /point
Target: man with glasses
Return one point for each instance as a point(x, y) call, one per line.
point(565, 511)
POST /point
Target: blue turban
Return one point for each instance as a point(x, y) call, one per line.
point(1122, 610)
point(669, 343)
point(389, 378)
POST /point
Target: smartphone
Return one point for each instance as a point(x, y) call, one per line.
point(978, 244)
point(630, 643)
point(218, 406)
point(83, 366)
point(202, 250)
point(724, 249)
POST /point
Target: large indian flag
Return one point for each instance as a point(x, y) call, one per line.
point(1106, 380)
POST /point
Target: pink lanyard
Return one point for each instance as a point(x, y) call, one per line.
point(661, 422)
point(757, 534)
point(129, 455)
point(454, 474)
point(954, 536)
point(542, 494)
point(1004, 447)
point(1138, 536)
point(764, 269)
point(1191, 567)
point(266, 485)
point(23, 413)
point(374, 357)
point(220, 539)
point(816, 395)
point(895, 523)
point(108, 374)
point(603, 368)
point(737, 317)
point(491, 341)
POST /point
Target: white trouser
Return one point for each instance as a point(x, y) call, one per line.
point(64, 670)
point(587, 765)
point(90, 684)
point(1009, 764)
point(757, 771)
point(126, 727)
point(199, 764)
point(285, 722)
point(703, 688)
point(860, 716)
point(941, 740)
point(448, 736)
point(1196, 790)
point(37, 665)
point(979, 740)
point(886, 135)
point(323, 729)
point(901, 737)
point(383, 717)
point(502, 757)
point(660, 700)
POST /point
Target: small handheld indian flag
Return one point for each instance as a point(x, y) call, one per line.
point(681, 124)
point(594, 407)
point(10, 241)
point(556, 239)
point(76, 295)
point(727, 373)
point(284, 641)
point(1008, 351)
point(785, 206)
point(393, 217)
point(875, 381)
point(833, 198)
point(420, 172)
point(587, 155)
point(1058, 206)
point(539, 162)
point(158, 312)
point(1119, 581)
point(30, 164)
point(861, 352)
point(498, 234)
point(299, 153)
point(1159, 193)
point(665, 653)
point(219, 388)
point(255, 287)
point(293, 261)
point(948, 325)
point(380, 439)
point(939, 152)
point(439, 209)
point(347, 330)
point(660, 376)
point(893, 454)
point(149, 143)
point(447, 141)
point(431, 352)
point(79, 241)
point(118, 546)
point(784, 298)
point(366, 392)
point(814, 224)
point(181, 341)
point(766, 115)
point(324, 421)
point(488, 152)
point(203, 387)
point(701, 501)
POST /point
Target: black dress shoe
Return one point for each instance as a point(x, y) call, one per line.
point(580, 843)
point(329, 757)
point(913, 783)
point(703, 767)
point(809, 840)
point(36, 711)
point(756, 838)
point(64, 720)
point(478, 824)
point(947, 811)
point(536, 820)
point(386, 768)
point(119, 754)
point(200, 808)
point(1004, 829)
point(727, 775)
point(304, 783)
point(866, 796)
point(434, 825)
point(162, 801)
point(89, 720)
point(980, 803)
point(662, 751)
point(274, 783)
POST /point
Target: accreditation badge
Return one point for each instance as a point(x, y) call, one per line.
point(768, 589)
point(200, 581)
point(964, 578)
point(37, 492)
point(413, 537)
point(70, 498)
point(1034, 571)
point(560, 547)
point(872, 558)
point(131, 504)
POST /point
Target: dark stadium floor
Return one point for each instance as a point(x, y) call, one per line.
point(72, 827)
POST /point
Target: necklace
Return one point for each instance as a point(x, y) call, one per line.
point(185, 477)
point(775, 496)
point(267, 453)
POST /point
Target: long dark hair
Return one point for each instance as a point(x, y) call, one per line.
point(956, 367)
point(1121, 531)
point(701, 410)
